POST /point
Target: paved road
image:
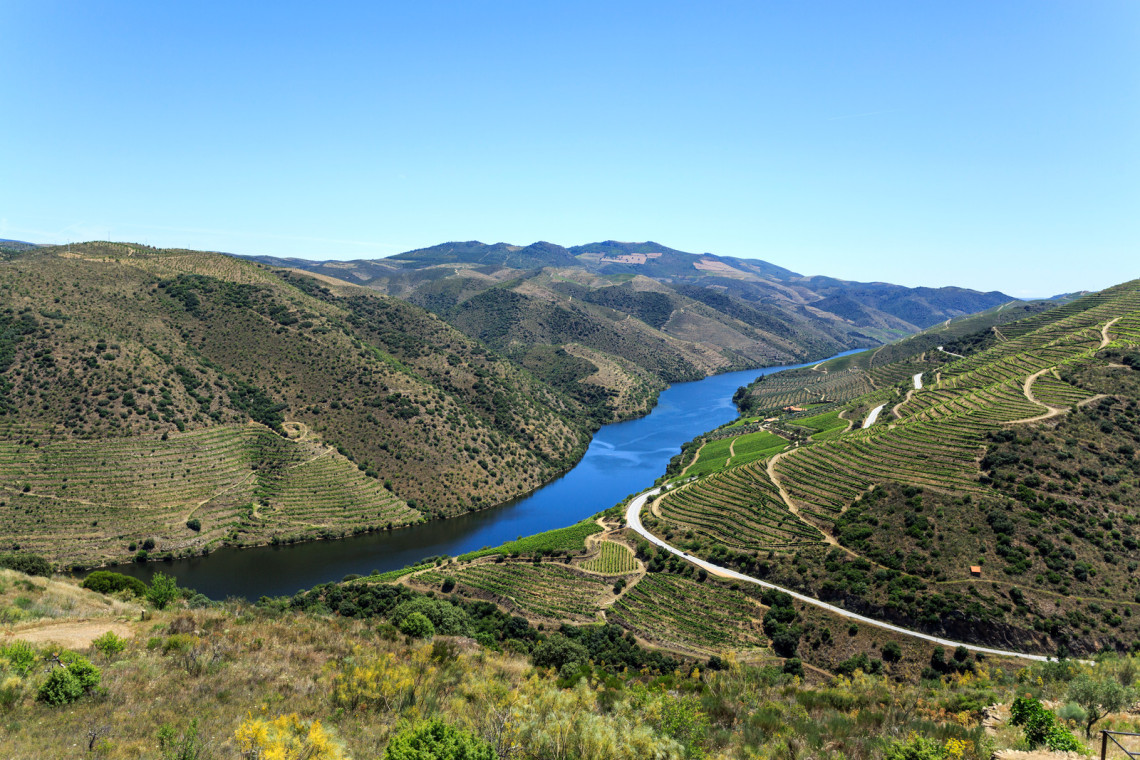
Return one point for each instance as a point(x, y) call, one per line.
point(633, 520)
point(943, 350)
point(874, 415)
point(918, 381)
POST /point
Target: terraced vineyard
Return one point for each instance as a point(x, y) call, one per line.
point(731, 452)
point(613, 559)
point(739, 508)
point(948, 494)
point(547, 590)
point(943, 427)
point(1054, 391)
point(678, 613)
point(241, 483)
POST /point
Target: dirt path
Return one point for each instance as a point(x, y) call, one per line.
point(731, 451)
point(909, 396)
point(791, 504)
point(1027, 390)
point(695, 458)
point(633, 520)
point(1104, 337)
point(73, 634)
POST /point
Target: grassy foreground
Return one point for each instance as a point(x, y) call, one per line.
point(231, 680)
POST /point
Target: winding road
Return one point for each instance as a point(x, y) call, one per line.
point(633, 520)
point(873, 416)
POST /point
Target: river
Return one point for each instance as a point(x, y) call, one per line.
point(622, 459)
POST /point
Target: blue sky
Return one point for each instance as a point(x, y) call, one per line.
point(994, 145)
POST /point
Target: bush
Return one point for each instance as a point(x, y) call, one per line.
point(445, 617)
point(417, 626)
point(185, 746)
point(914, 748)
point(194, 524)
point(436, 740)
point(1041, 726)
point(285, 736)
point(66, 684)
point(557, 651)
point(794, 666)
point(892, 652)
point(106, 582)
point(32, 564)
point(163, 590)
point(109, 644)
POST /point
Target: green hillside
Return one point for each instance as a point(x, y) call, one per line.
point(144, 389)
point(1018, 457)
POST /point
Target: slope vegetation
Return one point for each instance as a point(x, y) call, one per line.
point(1018, 458)
point(144, 389)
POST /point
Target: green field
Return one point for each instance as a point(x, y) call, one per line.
point(682, 614)
point(731, 452)
point(547, 590)
point(827, 425)
point(559, 541)
point(613, 559)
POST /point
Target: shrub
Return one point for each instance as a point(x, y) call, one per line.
point(32, 564)
point(445, 617)
point(20, 656)
point(436, 740)
point(286, 736)
point(106, 582)
point(194, 524)
point(557, 651)
point(1041, 726)
point(417, 626)
point(914, 748)
point(185, 746)
point(163, 590)
point(109, 644)
point(66, 684)
point(892, 652)
point(60, 688)
point(794, 666)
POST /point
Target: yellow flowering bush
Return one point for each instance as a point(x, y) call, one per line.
point(286, 737)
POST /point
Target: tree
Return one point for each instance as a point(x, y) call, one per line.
point(417, 626)
point(558, 650)
point(163, 590)
point(436, 740)
point(892, 652)
point(1098, 696)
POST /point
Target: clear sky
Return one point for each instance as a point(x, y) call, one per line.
point(982, 143)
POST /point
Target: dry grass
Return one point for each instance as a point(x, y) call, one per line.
point(27, 601)
point(219, 666)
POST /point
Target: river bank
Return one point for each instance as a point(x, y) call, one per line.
point(622, 459)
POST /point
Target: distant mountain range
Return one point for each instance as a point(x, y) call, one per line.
point(627, 318)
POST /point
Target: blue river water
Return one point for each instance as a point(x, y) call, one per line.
point(622, 459)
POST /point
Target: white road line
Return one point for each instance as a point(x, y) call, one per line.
point(633, 520)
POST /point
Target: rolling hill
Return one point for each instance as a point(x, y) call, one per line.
point(985, 490)
point(611, 323)
point(172, 401)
